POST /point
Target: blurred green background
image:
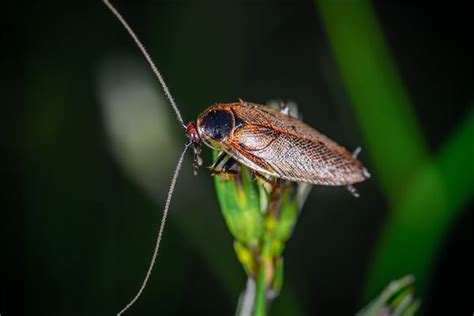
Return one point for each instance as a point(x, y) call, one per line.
point(89, 146)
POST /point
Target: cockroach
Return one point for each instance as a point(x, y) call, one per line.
point(270, 142)
point(276, 144)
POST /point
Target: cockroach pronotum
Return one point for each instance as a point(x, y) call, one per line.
point(268, 141)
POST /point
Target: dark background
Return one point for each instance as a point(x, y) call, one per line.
point(86, 164)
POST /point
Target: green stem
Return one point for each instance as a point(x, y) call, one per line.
point(260, 297)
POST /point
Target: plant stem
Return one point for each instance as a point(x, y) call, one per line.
point(247, 299)
point(260, 298)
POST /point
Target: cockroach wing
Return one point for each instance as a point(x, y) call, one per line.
point(281, 146)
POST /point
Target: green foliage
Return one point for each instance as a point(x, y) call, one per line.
point(260, 214)
point(261, 217)
point(425, 192)
point(240, 206)
point(397, 299)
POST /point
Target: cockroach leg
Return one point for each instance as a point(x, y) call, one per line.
point(231, 162)
point(366, 173)
point(284, 108)
point(264, 178)
point(356, 152)
point(220, 158)
point(289, 109)
point(228, 174)
point(197, 160)
point(353, 190)
point(223, 165)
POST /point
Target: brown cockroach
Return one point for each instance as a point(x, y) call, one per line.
point(276, 144)
point(268, 141)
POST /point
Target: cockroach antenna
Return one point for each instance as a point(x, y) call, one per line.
point(160, 232)
point(148, 59)
point(178, 165)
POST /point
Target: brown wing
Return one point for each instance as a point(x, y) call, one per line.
point(281, 146)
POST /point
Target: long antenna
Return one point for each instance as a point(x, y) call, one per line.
point(178, 165)
point(160, 232)
point(148, 58)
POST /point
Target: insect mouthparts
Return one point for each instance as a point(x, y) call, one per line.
point(195, 139)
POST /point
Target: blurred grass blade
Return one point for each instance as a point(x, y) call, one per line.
point(395, 300)
point(382, 105)
point(424, 214)
point(425, 194)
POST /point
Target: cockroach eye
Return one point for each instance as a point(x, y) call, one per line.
point(217, 124)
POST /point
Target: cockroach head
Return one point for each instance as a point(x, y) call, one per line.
point(193, 134)
point(195, 139)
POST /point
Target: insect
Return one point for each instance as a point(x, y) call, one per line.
point(268, 141)
point(273, 143)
